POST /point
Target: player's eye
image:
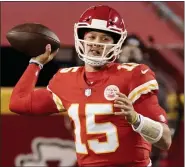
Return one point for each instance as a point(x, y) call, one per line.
point(89, 37)
point(106, 39)
point(92, 37)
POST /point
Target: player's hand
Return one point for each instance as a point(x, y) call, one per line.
point(126, 107)
point(47, 56)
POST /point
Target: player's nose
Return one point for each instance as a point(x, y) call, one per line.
point(97, 42)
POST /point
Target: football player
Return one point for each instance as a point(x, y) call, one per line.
point(114, 107)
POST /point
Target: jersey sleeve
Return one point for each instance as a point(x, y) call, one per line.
point(142, 82)
point(25, 99)
point(55, 84)
point(148, 106)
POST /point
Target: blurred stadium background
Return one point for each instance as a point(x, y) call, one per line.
point(156, 38)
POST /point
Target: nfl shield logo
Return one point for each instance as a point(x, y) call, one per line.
point(87, 92)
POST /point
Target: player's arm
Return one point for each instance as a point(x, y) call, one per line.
point(156, 122)
point(26, 100)
point(142, 110)
point(147, 118)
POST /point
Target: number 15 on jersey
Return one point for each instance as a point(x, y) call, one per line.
point(109, 129)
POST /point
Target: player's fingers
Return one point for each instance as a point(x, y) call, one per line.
point(47, 50)
point(54, 53)
point(122, 106)
point(121, 95)
point(122, 112)
point(51, 56)
point(124, 100)
point(118, 102)
point(118, 105)
point(119, 113)
point(126, 108)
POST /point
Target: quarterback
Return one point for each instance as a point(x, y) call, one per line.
point(113, 107)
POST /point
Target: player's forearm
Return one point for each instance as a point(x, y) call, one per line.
point(165, 142)
point(154, 132)
point(22, 90)
point(27, 81)
point(152, 123)
point(26, 100)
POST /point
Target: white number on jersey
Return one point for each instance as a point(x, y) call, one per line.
point(91, 110)
point(128, 66)
point(70, 69)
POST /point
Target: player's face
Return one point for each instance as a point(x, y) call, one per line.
point(94, 49)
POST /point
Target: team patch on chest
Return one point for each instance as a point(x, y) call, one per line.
point(110, 92)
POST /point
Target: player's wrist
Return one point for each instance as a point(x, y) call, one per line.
point(137, 122)
point(134, 119)
point(33, 61)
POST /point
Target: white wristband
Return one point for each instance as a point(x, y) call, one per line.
point(149, 129)
point(36, 62)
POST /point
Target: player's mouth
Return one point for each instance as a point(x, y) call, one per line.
point(95, 52)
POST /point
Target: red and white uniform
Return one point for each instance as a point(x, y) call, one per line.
point(101, 138)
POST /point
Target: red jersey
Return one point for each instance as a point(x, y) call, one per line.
point(101, 137)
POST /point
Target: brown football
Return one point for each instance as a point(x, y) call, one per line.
point(31, 38)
